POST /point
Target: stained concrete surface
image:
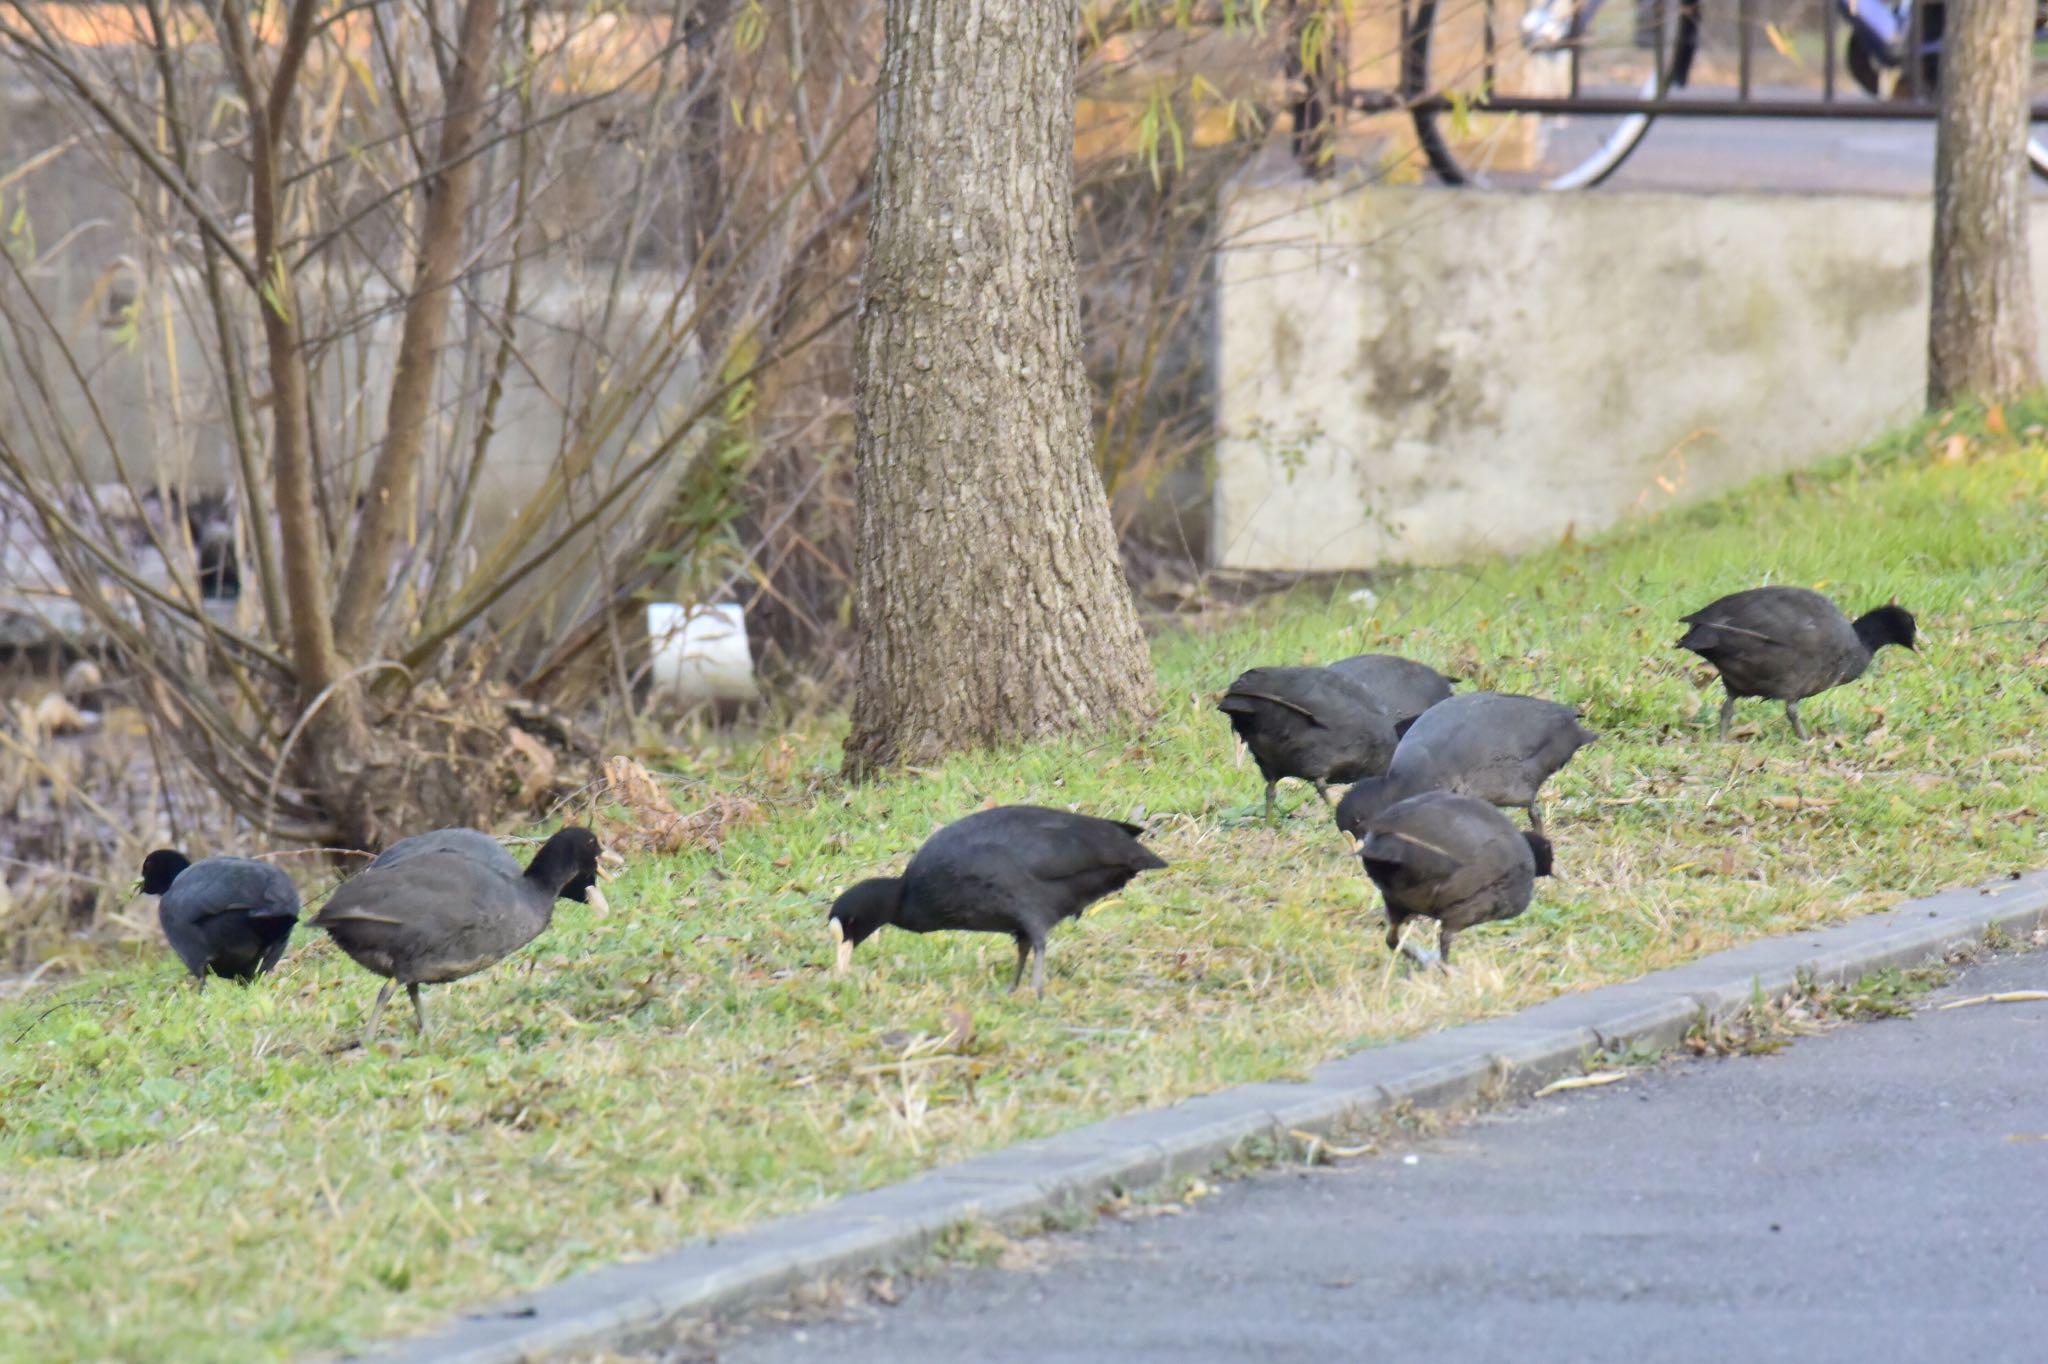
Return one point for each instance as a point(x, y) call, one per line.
point(1422, 375)
point(1878, 1192)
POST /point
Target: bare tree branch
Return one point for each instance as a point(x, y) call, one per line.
point(305, 561)
point(393, 483)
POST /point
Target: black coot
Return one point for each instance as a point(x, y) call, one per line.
point(486, 851)
point(1309, 723)
point(1451, 858)
point(1788, 643)
point(1015, 869)
point(1402, 687)
point(226, 915)
point(439, 914)
point(1493, 745)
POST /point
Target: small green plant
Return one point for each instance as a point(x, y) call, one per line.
point(1640, 1053)
point(1888, 993)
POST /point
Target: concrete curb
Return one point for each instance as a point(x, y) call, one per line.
point(1072, 1172)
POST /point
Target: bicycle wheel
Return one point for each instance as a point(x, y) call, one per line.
point(1936, 20)
point(1465, 51)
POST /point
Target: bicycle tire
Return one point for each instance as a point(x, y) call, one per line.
point(1605, 160)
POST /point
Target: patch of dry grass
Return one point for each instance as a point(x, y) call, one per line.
point(208, 1177)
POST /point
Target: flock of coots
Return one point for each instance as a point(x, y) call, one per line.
point(1429, 773)
point(430, 908)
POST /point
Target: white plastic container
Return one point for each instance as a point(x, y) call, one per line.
point(700, 652)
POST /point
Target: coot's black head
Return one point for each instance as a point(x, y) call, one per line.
point(1889, 624)
point(863, 909)
point(1539, 847)
point(1365, 800)
point(161, 868)
point(567, 862)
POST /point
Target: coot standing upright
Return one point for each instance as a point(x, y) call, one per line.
point(1402, 687)
point(442, 913)
point(1015, 869)
point(1310, 723)
point(1789, 643)
point(1494, 745)
point(231, 916)
point(1451, 858)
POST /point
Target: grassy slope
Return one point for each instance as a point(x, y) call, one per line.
point(193, 1178)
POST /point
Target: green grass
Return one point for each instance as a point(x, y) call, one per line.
point(207, 1177)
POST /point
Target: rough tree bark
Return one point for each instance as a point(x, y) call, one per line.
point(991, 599)
point(1981, 338)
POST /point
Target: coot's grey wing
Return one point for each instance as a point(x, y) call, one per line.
point(1450, 870)
point(1056, 845)
point(471, 843)
point(449, 886)
point(1779, 617)
point(436, 916)
point(227, 886)
point(1401, 686)
point(1243, 694)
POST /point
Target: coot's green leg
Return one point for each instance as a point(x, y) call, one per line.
point(376, 1012)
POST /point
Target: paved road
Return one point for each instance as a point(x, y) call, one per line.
point(1790, 155)
point(1774, 154)
point(1875, 1193)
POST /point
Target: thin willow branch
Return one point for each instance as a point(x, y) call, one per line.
point(440, 635)
point(316, 660)
point(389, 505)
point(312, 247)
point(45, 50)
point(234, 379)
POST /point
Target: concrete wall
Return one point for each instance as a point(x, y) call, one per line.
point(1417, 375)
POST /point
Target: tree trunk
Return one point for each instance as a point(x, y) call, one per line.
point(1981, 340)
point(991, 599)
point(315, 659)
point(394, 483)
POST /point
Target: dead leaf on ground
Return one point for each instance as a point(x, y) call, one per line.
point(652, 823)
point(533, 764)
point(1598, 1077)
point(959, 1025)
point(2002, 997)
point(1802, 802)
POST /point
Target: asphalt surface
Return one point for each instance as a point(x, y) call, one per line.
point(1782, 154)
point(1876, 1192)
point(1714, 155)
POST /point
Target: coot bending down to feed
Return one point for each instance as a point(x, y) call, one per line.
point(1494, 745)
point(1015, 869)
point(1789, 643)
point(439, 914)
point(1402, 687)
point(1309, 723)
point(230, 916)
point(1451, 858)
